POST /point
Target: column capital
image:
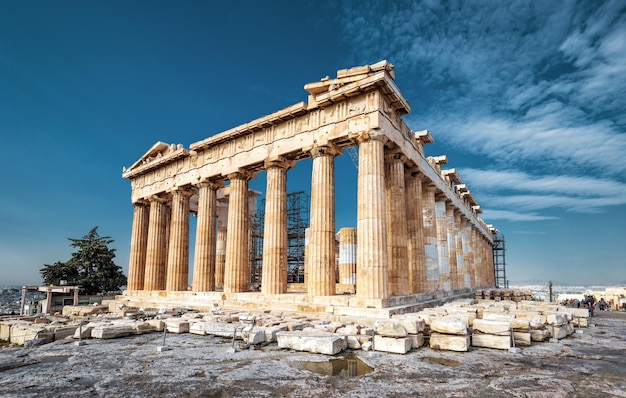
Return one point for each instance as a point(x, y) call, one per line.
point(373, 134)
point(280, 162)
point(213, 184)
point(395, 156)
point(141, 202)
point(185, 190)
point(414, 172)
point(159, 198)
point(242, 174)
point(327, 149)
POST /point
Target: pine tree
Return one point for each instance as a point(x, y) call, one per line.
point(91, 266)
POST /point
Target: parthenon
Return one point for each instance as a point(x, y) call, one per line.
point(418, 227)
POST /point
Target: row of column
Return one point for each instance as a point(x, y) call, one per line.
point(410, 239)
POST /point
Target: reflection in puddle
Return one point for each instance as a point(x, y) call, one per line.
point(441, 361)
point(348, 366)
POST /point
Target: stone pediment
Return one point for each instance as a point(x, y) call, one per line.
point(350, 82)
point(159, 154)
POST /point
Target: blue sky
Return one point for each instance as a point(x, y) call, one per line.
point(526, 98)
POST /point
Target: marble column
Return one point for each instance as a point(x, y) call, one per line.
point(470, 261)
point(347, 256)
point(396, 225)
point(431, 255)
point(237, 267)
point(415, 232)
point(138, 246)
point(464, 273)
point(442, 242)
point(477, 258)
point(274, 270)
point(178, 250)
point(220, 255)
point(372, 279)
point(157, 245)
point(452, 249)
point(321, 250)
point(205, 251)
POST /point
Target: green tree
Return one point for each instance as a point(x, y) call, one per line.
point(91, 266)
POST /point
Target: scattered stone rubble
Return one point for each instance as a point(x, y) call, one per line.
point(490, 323)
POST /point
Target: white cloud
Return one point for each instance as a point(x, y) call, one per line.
point(513, 216)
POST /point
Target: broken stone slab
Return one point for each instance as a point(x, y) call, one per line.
point(451, 324)
point(353, 342)
point(157, 324)
point(348, 330)
point(61, 331)
point(23, 332)
point(413, 325)
point(396, 345)
point(499, 342)
point(520, 325)
point(177, 325)
point(198, 328)
point(536, 323)
point(556, 318)
point(319, 343)
point(389, 329)
point(110, 331)
point(417, 340)
point(83, 332)
point(330, 327)
point(449, 342)
point(253, 336)
point(539, 335)
point(522, 338)
point(488, 326)
point(561, 332)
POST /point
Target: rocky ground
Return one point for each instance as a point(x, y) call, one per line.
point(591, 364)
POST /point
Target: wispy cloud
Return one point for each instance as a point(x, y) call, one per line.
point(536, 88)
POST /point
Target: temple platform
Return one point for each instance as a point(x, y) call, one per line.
point(337, 306)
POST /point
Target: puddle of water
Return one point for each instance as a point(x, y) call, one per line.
point(348, 366)
point(441, 361)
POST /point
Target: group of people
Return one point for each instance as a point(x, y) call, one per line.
point(590, 302)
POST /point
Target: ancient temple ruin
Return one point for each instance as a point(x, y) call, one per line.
point(417, 231)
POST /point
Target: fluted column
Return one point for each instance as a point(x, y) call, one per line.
point(452, 249)
point(178, 250)
point(274, 272)
point(205, 250)
point(462, 255)
point(321, 250)
point(138, 246)
point(431, 255)
point(396, 225)
point(157, 244)
point(442, 242)
point(347, 256)
point(477, 258)
point(470, 248)
point(372, 262)
point(237, 269)
point(415, 232)
point(220, 255)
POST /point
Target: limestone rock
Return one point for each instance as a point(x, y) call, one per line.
point(501, 342)
point(449, 342)
point(110, 331)
point(417, 340)
point(389, 329)
point(522, 338)
point(451, 324)
point(487, 326)
point(539, 334)
point(400, 345)
point(329, 345)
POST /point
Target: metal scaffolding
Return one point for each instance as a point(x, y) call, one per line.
point(499, 261)
point(297, 223)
